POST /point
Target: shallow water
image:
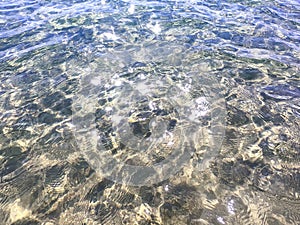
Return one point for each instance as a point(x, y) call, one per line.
point(149, 112)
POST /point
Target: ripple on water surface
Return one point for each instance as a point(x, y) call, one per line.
point(250, 49)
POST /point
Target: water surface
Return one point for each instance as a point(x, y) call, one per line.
point(247, 52)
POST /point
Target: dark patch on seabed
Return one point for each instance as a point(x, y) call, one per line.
point(251, 48)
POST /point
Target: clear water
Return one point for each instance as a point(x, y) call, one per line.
point(215, 83)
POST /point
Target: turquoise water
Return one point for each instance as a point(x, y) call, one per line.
point(149, 112)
